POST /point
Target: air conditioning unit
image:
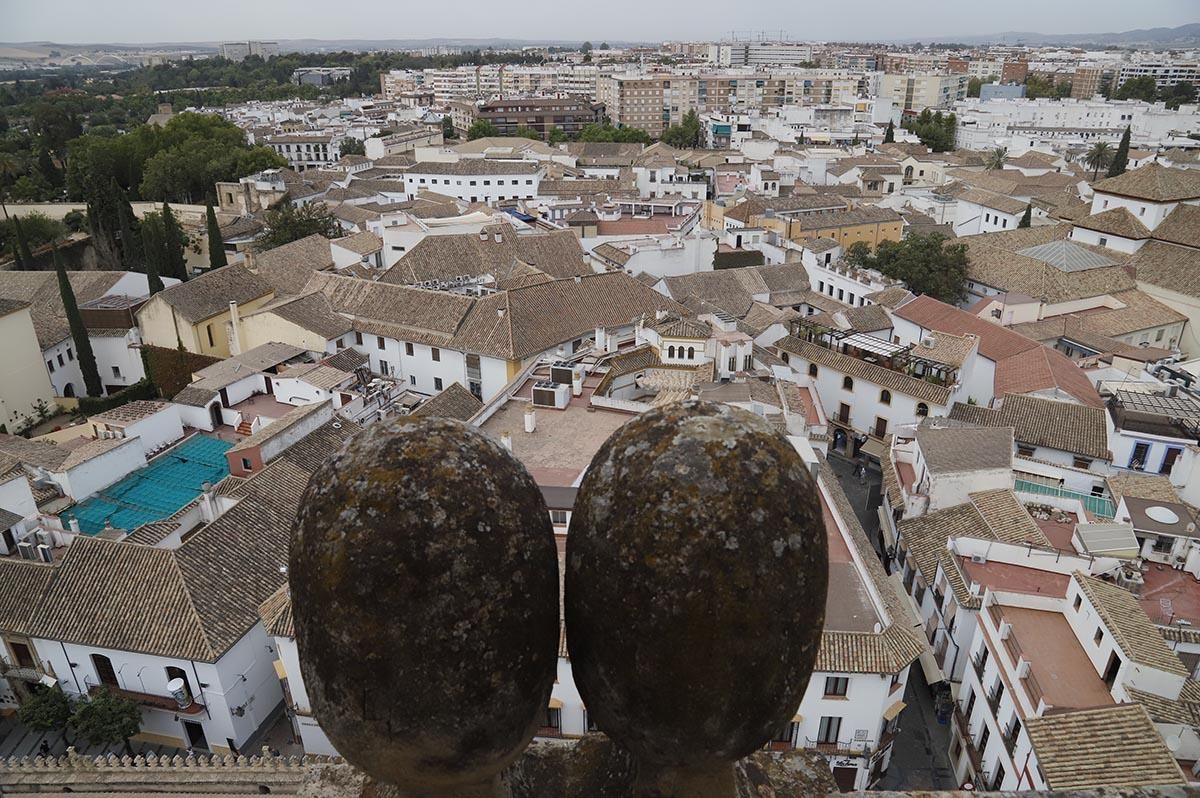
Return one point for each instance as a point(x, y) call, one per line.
point(44, 538)
point(979, 559)
point(45, 553)
point(1005, 630)
point(562, 373)
point(26, 550)
point(551, 394)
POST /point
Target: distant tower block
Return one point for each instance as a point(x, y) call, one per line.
point(424, 581)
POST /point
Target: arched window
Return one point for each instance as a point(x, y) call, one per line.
point(691, 352)
point(847, 384)
point(670, 351)
point(812, 369)
point(885, 397)
point(922, 409)
point(908, 172)
point(105, 672)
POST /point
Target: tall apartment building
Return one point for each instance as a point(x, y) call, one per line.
point(398, 82)
point(655, 102)
point(307, 150)
point(542, 114)
point(916, 92)
point(982, 124)
point(914, 62)
point(1088, 81)
point(752, 54)
point(1165, 73)
point(238, 51)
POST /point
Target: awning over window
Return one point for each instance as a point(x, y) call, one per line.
point(555, 703)
point(279, 671)
point(891, 712)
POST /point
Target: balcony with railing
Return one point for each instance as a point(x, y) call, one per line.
point(25, 671)
point(921, 362)
point(967, 739)
point(993, 698)
point(1021, 664)
point(979, 662)
point(841, 747)
point(163, 702)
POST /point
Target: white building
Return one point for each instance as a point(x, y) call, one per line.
point(477, 179)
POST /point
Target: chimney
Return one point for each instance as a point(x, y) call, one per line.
point(530, 421)
point(235, 339)
point(483, 235)
point(506, 441)
point(498, 237)
point(73, 523)
point(500, 312)
point(578, 278)
point(207, 511)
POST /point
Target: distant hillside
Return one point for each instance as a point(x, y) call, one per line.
point(1183, 36)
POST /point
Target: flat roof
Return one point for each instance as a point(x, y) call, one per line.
point(1169, 596)
point(848, 605)
point(1059, 663)
point(1014, 578)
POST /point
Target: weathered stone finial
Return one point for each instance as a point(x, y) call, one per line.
point(695, 592)
point(424, 585)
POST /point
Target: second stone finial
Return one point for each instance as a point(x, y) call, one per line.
point(695, 592)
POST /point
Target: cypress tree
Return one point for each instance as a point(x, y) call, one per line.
point(153, 244)
point(889, 135)
point(174, 261)
point(1120, 161)
point(133, 255)
point(216, 245)
point(1027, 217)
point(24, 256)
point(79, 334)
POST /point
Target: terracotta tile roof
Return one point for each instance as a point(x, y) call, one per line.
point(209, 294)
point(396, 311)
point(1167, 266)
point(1132, 630)
point(731, 290)
point(944, 348)
point(860, 369)
point(276, 613)
point(289, 267)
point(522, 322)
point(443, 257)
point(131, 412)
point(613, 254)
point(1022, 364)
point(683, 327)
point(889, 297)
point(474, 166)
point(39, 291)
point(1154, 487)
point(1117, 222)
point(1110, 747)
point(896, 646)
point(954, 449)
point(1153, 182)
point(311, 312)
point(1065, 426)
point(866, 215)
point(990, 199)
point(1182, 226)
point(24, 584)
point(454, 402)
point(360, 243)
point(627, 362)
point(1161, 709)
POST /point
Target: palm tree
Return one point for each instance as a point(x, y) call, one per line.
point(1098, 157)
point(996, 158)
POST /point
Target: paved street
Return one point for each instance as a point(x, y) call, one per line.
point(17, 740)
point(919, 756)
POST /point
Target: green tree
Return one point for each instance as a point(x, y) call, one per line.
point(107, 719)
point(1182, 92)
point(557, 135)
point(935, 130)
point(9, 168)
point(889, 135)
point(926, 263)
point(353, 146)
point(1120, 161)
point(604, 46)
point(153, 239)
point(216, 244)
point(685, 135)
point(995, 159)
point(36, 229)
point(597, 132)
point(24, 257)
point(973, 87)
point(1140, 88)
point(1027, 217)
point(1038, 86)
point(174, 242)
point(527, 133)
point(79, 333)
point(287, 223)
point(48, 710)
point(1098, 157)
point(448, 131)
point(75, 221)
point(47, 169)
point(586, 47)
point(481, 129)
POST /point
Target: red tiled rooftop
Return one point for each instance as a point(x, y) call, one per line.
point(1169, 595)
point(1014, 578)
point(1059, 663)
point(625, 227)
point(848, 606)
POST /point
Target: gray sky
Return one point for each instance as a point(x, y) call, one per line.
point(91, 21)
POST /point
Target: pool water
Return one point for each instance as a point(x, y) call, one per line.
point(167, 483)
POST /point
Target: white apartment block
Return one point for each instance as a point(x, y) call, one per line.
point(306, 150)
point(477, 179)
point(916, 92)
point(1022, 124)
point(1165, 73)
point(760, 53)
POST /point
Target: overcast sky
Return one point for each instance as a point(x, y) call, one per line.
point(92, 21)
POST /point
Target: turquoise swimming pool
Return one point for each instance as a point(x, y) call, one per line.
point(167, 483)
